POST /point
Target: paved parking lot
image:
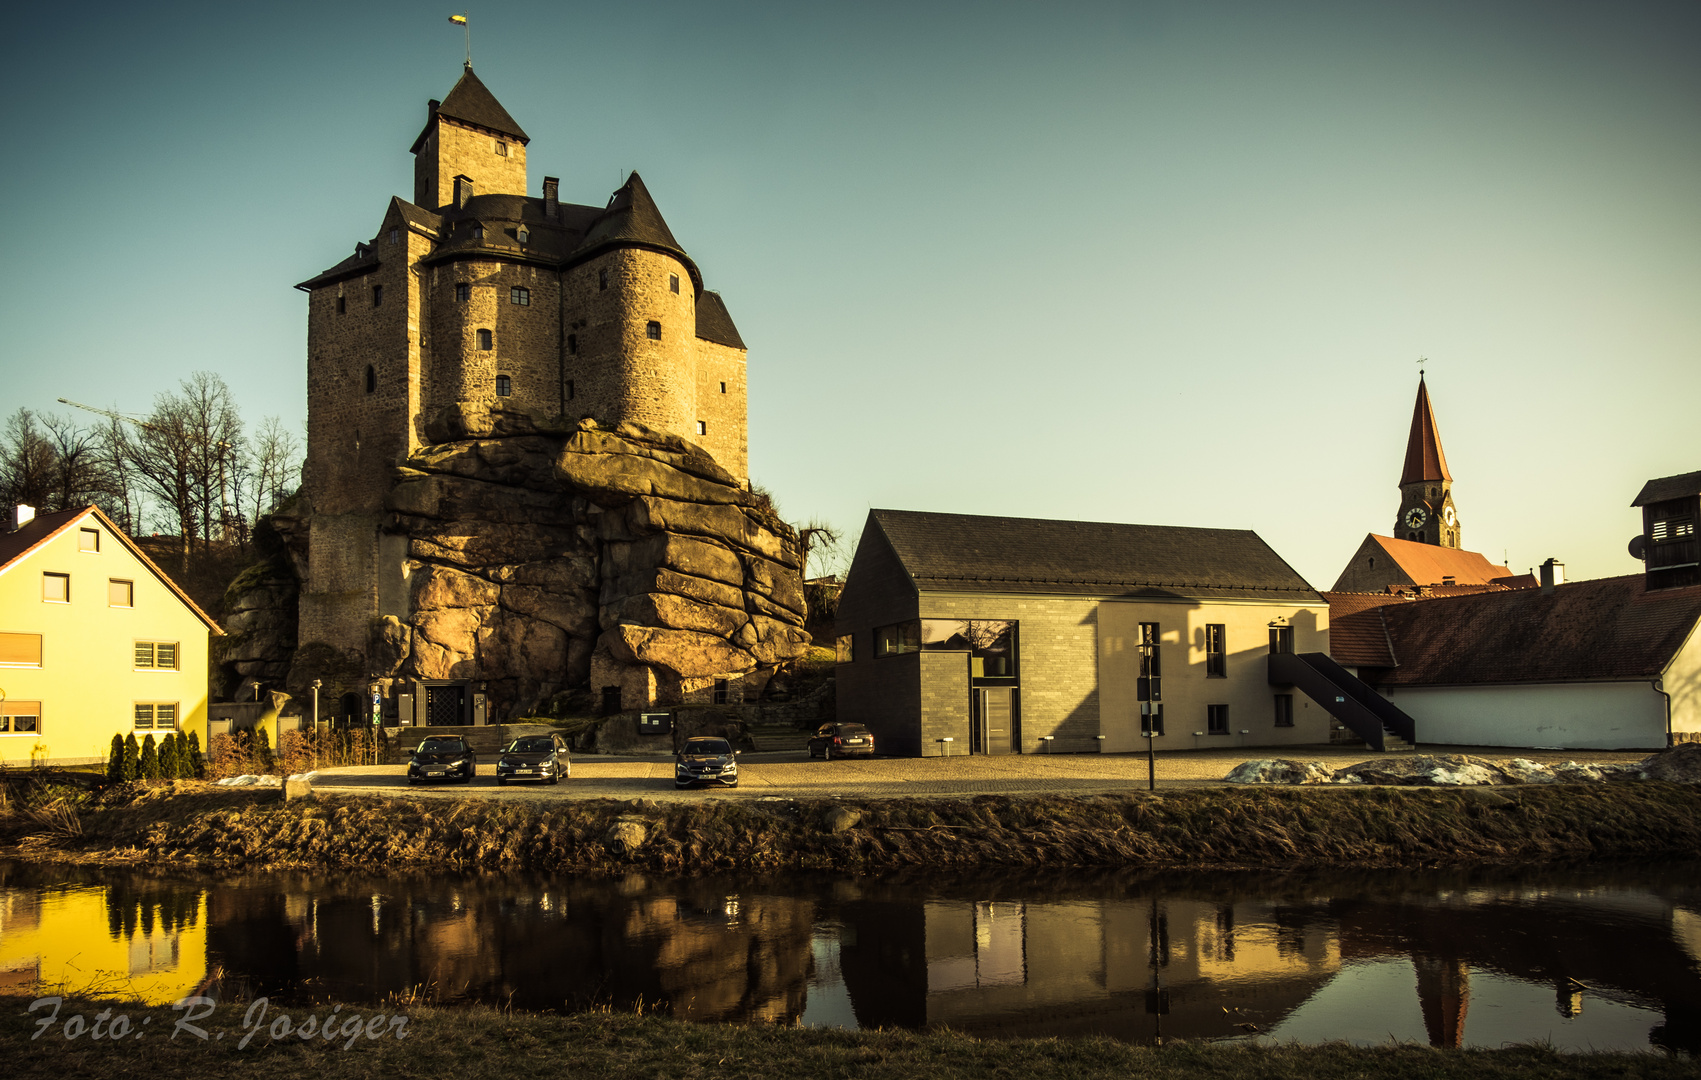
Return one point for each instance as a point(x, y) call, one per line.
point(792, 775)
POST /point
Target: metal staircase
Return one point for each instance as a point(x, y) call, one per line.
point(1368, 714)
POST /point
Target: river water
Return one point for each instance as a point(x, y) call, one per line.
point(1578, 958)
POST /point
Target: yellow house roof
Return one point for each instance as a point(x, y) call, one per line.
point(17, 545)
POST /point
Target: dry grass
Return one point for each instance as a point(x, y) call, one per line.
point(190, 823)
point(489, 1044)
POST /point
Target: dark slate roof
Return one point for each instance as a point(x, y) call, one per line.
point(714, 322)
point(362, 262)
point(1610, 628)
point(471, 102)
point(969, 553)
point(1667, 488)
point(17, 544)
point(632, 217)
point(1424, 458)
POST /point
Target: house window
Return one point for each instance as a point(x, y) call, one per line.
point(20, 650)
point(1216, 720)
point(844, 648)
point(88, 540)
point(722, 690)
point(1149, 686)
point(463, 291)
point(673, 282)
point(1216, 651)
point(702, 427)
point(652, 330)
point(120, 593)
point(342, 304)
point(56, 588)
point(1153, 722)
point(377, 295)
point(504, 386)
point(20, 718)
point(156, 656)
point(371, 378)
point(520, 296)
point(156, 716)
point(904, 637)
point(990, 643)
point(602, 280)
point(1284, 710)
point(573, 344)
point(1281, 639)
point(484, 341)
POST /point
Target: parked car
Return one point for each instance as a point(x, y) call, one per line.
point(704, 759)
point(534, 757)
point(841, 740)
point(443, 757)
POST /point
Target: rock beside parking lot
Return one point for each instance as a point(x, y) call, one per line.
point(1681, 764)
point(842, 819)
point(1280, 771)
point(627, 834)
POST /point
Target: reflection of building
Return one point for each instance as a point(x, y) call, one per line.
point(963, 634)
point(141, 944)
point(95, 640)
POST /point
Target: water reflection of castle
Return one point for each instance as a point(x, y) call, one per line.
point(1207, 957)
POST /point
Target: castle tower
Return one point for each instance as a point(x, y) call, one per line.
point(1426, 512)
point(477, 298)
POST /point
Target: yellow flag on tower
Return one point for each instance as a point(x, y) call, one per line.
point(458, 20)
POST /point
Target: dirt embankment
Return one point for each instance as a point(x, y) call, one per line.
point(191, 824)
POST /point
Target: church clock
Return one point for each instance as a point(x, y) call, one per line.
point(1415, 517)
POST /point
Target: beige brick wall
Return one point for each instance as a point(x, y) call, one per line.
point(454, 150)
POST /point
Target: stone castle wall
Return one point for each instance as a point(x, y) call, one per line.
point(454, 150)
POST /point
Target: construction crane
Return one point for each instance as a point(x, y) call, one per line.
point(223, 447)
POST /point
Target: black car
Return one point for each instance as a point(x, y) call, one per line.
point(534, 757)
point(704, 760)
point(443, 757)
point(841, 740)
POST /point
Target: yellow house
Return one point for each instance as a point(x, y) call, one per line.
point(94, 640)
point(148, 947)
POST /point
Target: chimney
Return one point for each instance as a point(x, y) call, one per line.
point(1553, 573)
point(463, 191)
point(22, 516)
point(552, 198)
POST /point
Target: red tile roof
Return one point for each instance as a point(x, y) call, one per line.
point(20, 542)
point(1431, 564)
point(1611, 628)
point(1424, 457)
point(1357, 636)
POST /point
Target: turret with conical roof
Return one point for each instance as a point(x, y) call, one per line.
point(1426, 512)
point(468, 136)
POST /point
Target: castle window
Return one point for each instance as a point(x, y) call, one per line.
point(569, 389)
point(377, 295)
point(371, 378)
point(342, 304)
point(702, 428)
point(395, 234)
point(673, 282)
point(501, 148)
point(1373, 562)
point(602, 280)
point(463, 291)
point(522, 234)
point(723, 388)
point(504, 386)
point(652, 330)
point(478, 232)
point(484, 342)
point(573, 344)
point(520, 296)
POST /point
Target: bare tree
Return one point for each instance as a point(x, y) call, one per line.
point(272, 464)
point(184, 454)
point(28, 471)
point(819, 541)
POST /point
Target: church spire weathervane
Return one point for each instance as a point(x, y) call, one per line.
point(461, 21)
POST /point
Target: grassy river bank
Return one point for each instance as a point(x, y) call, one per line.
point(189, 824)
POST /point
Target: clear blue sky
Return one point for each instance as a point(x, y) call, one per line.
point(1168, 263)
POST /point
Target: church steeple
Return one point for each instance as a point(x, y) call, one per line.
point(1426, 502)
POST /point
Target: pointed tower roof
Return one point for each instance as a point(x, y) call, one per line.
point(1424, 457)
point(471, 102)
point(632, 220)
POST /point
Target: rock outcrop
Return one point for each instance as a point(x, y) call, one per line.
point(535, 557)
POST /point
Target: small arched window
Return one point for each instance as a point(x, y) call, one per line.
point(652, 330)
point(1373, 562)
point(484, 342)
point(504, 386)
point(371, 378)
point(522, 234)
